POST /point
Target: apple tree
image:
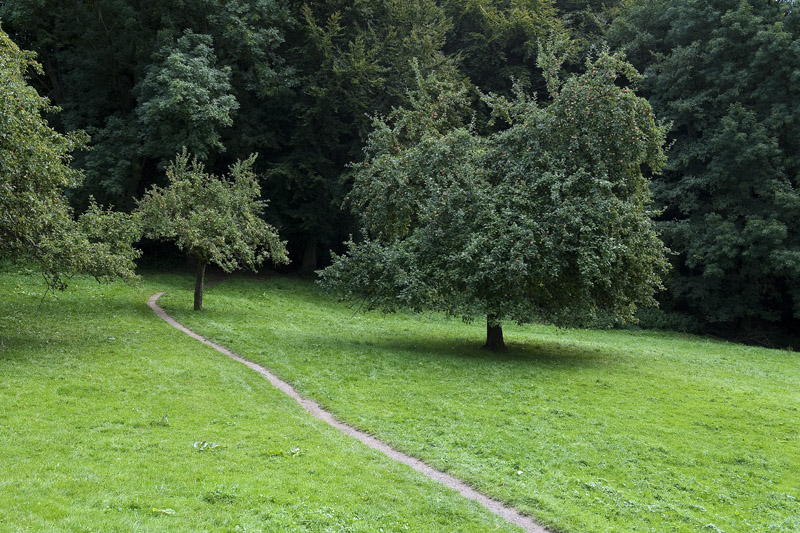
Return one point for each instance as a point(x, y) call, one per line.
point(547, 219)
point(214, 219)
point(37, 223)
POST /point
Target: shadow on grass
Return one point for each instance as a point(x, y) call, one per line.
point(55, 323)
point(322, 326)
point(405, 349)
point(423, 346)
point(19, 346)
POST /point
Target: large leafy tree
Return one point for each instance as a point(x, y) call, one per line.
point(546, 219)
point(215, 220)
point(351, 60)
point(725, 72)
point(36, 221)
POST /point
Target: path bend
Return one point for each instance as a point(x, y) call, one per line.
point(500, 509)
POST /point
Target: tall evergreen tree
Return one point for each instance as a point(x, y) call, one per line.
point(588, 21)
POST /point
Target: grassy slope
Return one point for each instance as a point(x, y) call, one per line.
point(587, 430)
point(85, 446)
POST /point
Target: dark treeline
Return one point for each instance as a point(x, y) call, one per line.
point(726, 74)
point(297, 83)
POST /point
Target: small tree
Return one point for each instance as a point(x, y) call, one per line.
point(545, 220)
point(36, 221)
point(215, 220)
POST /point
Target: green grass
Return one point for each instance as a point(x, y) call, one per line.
point(102, 404)
point(586, 430)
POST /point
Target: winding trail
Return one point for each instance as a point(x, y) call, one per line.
point(498, 508)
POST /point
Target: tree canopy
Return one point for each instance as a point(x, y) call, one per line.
point(498, 40)
point(350, 61)
point(725, 73)
point(546, 219)
point(144, 79)
point(185, 100)
point(36, 221)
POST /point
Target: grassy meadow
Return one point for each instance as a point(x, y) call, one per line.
point(111, 420)
point(585, 430)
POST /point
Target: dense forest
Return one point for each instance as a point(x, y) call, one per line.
point(300, 83)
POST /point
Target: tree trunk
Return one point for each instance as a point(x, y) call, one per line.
point(134, 182)
point(494, 335)
point(200, 273)
point(309, 257)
